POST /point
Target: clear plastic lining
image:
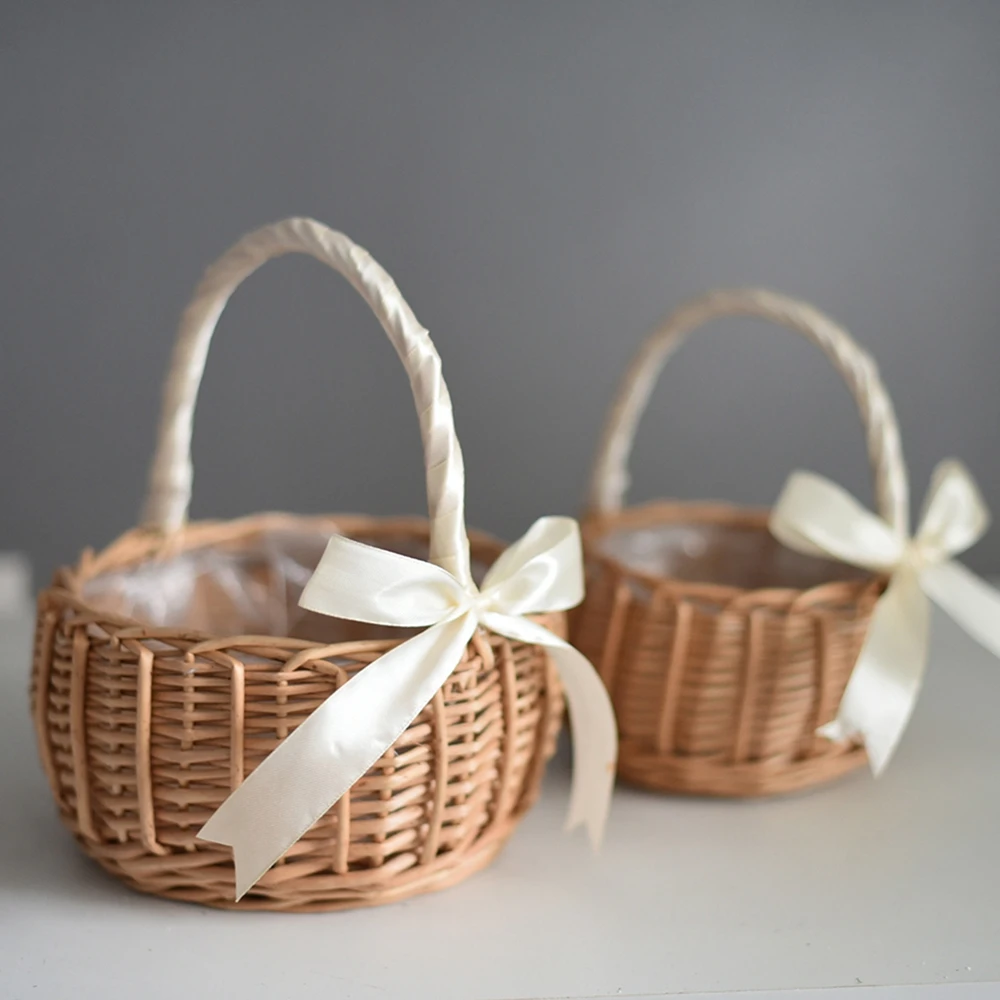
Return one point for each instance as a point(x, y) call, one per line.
point(247, 587)
point(730, 555)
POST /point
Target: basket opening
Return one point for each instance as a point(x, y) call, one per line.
point(250, 584)
point(706, 544)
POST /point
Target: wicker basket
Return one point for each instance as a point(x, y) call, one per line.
point(144, 729)
point(724, 651)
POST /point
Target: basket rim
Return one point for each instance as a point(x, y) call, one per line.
point(596, 525)
point(139, 546)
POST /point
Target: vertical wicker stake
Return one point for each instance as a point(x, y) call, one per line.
point(144, 731)
point(722, 663)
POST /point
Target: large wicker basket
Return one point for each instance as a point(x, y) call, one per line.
point(146, 724)
point(723, 650)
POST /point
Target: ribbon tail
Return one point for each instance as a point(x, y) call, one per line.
point(884, 685)
point(592, 720)
point(595, 742)
point(971, 601)
point(300, 780)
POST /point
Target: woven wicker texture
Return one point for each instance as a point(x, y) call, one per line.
point(721, 661)
point(143, 731)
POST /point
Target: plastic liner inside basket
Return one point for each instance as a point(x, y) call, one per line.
point(250, 586)
point(731, 555)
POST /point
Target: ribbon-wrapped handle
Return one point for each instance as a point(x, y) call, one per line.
point(609, 481)
point(171, 474)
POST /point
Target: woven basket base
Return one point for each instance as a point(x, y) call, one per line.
point(448, 870)
point(705, 776)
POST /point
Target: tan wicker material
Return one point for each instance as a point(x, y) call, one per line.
point(724, 651)
point(144, 730)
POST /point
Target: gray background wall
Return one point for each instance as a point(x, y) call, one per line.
point(544, 181)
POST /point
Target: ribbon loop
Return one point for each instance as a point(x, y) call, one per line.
point(817, 517)
point(336, 745)
point(398, 590)
point(543, 571)
point(955, 515)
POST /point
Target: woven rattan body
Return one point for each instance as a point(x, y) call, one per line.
point(144, 732)
point(719, 690)
point(721, 673)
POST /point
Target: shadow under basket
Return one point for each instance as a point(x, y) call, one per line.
point(723, 650)
point(148, 715)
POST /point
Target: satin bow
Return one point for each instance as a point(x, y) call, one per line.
point(297, 783)
point(817, 517)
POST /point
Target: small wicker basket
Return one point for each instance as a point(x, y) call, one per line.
point(145, 727)
point(723, 650)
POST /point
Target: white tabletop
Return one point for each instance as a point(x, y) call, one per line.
point(894, 884)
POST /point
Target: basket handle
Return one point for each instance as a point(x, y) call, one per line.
point(170, 477)
point(610, 478)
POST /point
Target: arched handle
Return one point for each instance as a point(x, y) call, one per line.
point(610, 478)
point(170, 477)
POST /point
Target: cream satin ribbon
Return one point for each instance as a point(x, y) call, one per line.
point(817, 517)
point(319, 761)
